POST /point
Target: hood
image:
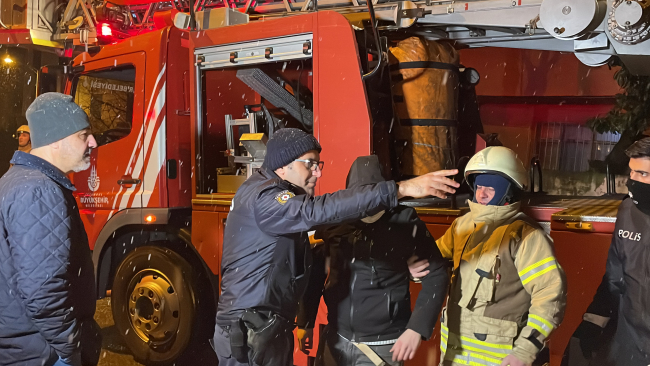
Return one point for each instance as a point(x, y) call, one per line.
point(493, 214)
point(365, 170)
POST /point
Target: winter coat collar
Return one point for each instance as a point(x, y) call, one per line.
point(493, 214)
point(34, 162)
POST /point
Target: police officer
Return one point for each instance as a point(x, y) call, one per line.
point(624, 294)
point(266, 258)
point(24, 139)
point(507, 291)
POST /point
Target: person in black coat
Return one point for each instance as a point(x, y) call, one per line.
point(266, 258)
point(47, 280)
point(367, 292)
point(615, 330)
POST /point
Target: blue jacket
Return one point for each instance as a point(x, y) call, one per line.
point(46, 272)
point(266, 257)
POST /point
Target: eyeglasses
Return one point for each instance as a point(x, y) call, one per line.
point(312, 164)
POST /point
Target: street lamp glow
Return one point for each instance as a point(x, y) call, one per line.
point(8, 60)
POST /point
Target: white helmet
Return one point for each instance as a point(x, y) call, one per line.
point(497, 160)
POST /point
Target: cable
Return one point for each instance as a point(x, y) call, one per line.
point(373, 25)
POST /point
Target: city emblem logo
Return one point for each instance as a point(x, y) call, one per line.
point(93, 180)
point(284, 196)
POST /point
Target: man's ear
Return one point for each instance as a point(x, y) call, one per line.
point(56, 145)
point(280, 172)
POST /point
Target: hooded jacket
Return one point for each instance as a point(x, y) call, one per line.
point(266, 258)
point(508, 291)
point(47, 280)
point(367, 293)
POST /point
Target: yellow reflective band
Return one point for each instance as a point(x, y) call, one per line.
point(538, 274)
point(486, 344)
point(535, 265)
point(470, 358)
point(493, 349)
point(476, 349)
point(541, 324)
point(486, 358)
point(540, 329)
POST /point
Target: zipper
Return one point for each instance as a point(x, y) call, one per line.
point(354, 279)
point(373, 272)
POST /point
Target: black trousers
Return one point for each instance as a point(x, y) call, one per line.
point(334, 350)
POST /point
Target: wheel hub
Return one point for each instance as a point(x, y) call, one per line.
point(153, 307)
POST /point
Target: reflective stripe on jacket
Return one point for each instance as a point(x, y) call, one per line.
point(509, 292)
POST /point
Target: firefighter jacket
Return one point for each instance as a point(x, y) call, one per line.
point(367, 292)
point(266, 255)
point(508, 291)
point(624, 292)
point(47, 278)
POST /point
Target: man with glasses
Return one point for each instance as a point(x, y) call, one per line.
point(266, 255)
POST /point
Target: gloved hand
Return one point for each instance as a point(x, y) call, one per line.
point(270, 339)
point(589, 334)
point(75, 360)
point(305, 339)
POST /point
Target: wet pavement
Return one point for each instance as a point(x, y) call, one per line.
point(116, 353)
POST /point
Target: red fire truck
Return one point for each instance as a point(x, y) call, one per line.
point(181, 117)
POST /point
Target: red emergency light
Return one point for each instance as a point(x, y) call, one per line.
point(105, 33)
point(105, 30)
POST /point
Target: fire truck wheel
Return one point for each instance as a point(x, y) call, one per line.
point(153, 302)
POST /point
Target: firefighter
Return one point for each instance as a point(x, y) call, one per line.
point(367, 294)
point(507, 290)
point(623, 292)
point(266, 255)
point(24, 139)
point(47, 278)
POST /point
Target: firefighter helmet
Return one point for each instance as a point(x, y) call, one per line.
point(497, 160)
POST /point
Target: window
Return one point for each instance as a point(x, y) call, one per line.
point(107, 98)
point(571, 147)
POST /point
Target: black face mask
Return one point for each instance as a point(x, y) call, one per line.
point(640, 194)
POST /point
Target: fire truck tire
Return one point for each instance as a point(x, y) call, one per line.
point(154, 304)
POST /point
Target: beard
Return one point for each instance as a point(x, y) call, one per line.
point(83, 164)
point(79, 163)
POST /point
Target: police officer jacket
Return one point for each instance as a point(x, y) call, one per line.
point(266, 258)
point(367, 292)
point(625, 290)
point(508, 292)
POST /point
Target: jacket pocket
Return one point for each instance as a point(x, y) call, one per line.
point(481, 283)
point(486, 271)
point(496, 336)
point(399, 305)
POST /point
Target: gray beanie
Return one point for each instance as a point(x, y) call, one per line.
point(54, 116)
point(286, 145)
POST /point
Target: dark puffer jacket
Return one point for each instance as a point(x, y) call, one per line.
point(46, 272)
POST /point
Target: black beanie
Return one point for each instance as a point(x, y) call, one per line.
point(52, 117)
point(286, 145)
